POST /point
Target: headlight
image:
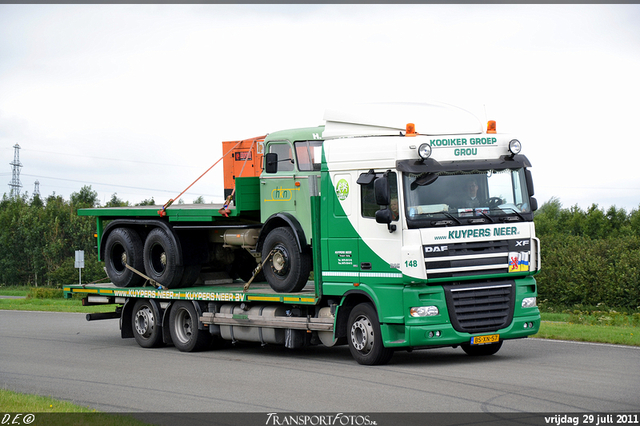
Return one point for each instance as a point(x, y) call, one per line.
point(424, 151)
point(515, 146)
point(424, 311)
point(529, 302)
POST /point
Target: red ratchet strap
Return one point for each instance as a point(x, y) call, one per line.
point(163, 211)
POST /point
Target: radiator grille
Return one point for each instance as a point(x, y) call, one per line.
point(480, 308)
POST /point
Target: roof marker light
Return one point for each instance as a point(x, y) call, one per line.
point(411, 130)
point(491, 126)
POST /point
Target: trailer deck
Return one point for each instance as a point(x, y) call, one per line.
point(225, 292)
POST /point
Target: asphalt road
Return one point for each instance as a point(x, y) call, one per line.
point(64, 356)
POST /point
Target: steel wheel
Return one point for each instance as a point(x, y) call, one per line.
point(184, 328)
point(146, 325)
point(365, 337)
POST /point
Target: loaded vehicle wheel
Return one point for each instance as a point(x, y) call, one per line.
point(161, 259)
point(482, 350)
point(183, 327)
point(287, 270)
point(124, 247)
point(147, 328)
point(365, 338)
point(189, 275)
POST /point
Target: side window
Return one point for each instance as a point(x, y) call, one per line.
point(368, 206)
point(284, 153)
point(308, 154)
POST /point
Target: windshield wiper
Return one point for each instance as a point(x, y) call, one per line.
point(486, 215)
point(452, 217)
point(505, 219)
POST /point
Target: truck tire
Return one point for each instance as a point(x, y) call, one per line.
point(161, 259)
point(124, 246)
point(287, 270)
point(183, 326)
point(482, 350)
point(147, 328)
point(365, 338)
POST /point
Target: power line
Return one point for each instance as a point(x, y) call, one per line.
point(111, 159)
point(115, 185)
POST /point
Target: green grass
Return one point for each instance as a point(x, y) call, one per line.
point(44, 299)
point(50, 411)
point(616, 335)
point(592, 325)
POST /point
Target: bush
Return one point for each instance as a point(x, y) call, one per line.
point(589, 258)
point(45, 293)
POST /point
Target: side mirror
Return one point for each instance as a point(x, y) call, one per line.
point(382, 191)
point(534, 204)
point(529, 179)
point(271, 162)
point(385, 216)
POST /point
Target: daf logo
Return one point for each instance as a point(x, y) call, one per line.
point(435, 249)
point(522, 243)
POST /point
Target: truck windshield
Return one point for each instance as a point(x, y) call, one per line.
point(450, 199)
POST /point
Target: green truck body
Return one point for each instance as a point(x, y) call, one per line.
point(364, 237)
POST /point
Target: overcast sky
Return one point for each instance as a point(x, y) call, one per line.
point(136, 99)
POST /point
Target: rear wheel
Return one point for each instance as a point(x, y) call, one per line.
point(482, 350)
point(287, 270)
point(146, 325)
point(124, 247)
point(365, 338)
point(184, 331)
point(161, 259)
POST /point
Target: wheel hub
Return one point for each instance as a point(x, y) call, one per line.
point(184, 326)
point(362, 334)
point(144, 322)
point(280, 260)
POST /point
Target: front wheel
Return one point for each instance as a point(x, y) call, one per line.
point(482, 350)
point(183, 326)
point(287, 270)
point(146, 325)
point(365, 337)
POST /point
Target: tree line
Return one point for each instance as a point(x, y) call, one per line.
point(39, 237)
point(589, 257)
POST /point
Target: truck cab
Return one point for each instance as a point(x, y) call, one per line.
point(429, 217)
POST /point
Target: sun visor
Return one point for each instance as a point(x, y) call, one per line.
point(390, 119)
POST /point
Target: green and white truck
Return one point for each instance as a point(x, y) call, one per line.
point(391, 227)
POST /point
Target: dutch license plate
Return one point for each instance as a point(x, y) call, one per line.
point(483, 340)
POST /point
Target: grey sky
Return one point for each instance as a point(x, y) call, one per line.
point(135, 99)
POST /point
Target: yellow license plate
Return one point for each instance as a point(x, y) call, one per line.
point(483, 340)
